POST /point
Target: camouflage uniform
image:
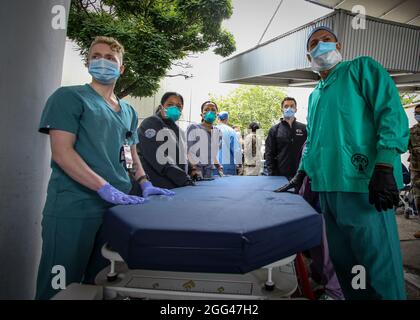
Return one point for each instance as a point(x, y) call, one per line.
point(414, 148)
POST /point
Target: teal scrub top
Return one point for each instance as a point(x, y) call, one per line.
point(355, 120)
point(100, 133)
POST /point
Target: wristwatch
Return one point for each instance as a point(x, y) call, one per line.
point(144, 177)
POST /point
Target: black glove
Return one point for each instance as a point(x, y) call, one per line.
point(383, 191)
point(296, 183)
point(196, 176)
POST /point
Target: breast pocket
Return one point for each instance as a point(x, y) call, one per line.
point(358, 162)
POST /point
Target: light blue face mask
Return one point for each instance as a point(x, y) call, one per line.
point(289, 113)
point(104, 71)
point(325, 56)
point(417, 117)
point(323, 48)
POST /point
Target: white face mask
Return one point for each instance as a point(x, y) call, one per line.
point(326, 61)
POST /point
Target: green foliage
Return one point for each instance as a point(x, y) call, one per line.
point(252, 103)
point(408, 98)
point(155, 34)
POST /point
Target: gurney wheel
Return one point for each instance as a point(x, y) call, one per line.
point(112, 277)
point(269, 286)
point(408, 212)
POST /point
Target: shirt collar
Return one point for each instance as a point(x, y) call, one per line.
point(283, 120)
point(332, 76)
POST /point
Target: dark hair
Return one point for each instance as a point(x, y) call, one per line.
point(170, 94)
point(289, 99)
point(208, 102)
point(417, 106)
point(254, 126)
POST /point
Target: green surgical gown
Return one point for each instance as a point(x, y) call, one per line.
point(356, 120)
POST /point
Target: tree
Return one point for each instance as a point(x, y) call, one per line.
point(252, 103)
point(155, 33)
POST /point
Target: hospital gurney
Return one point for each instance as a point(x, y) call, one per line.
point(231, 238)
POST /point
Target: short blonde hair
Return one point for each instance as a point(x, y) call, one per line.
point(112, 42)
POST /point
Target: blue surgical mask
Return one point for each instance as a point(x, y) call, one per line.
point(289, 113)
point(325, 56)
point(417, 117)
point(323, 48)
point(210, 117)
point(104, 71)
point(173, 113)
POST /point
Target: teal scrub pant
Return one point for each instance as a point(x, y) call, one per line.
point(73, 244)
point(359, 235)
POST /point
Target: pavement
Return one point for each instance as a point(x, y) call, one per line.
point(410, 249)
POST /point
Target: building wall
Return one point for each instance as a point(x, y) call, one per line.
point(31, 61)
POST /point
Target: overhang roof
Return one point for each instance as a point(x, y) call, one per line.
point(401, 11)
point(395, 45)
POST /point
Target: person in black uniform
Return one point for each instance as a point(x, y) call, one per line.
point(166, 165)
point(284, 142)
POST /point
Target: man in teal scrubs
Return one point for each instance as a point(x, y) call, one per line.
point(93, 145)
point(357, 129)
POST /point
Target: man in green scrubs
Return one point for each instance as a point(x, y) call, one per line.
point(93, 145)
point(357, 129)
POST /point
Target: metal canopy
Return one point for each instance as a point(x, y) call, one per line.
point(402, 11)
point(282, 61)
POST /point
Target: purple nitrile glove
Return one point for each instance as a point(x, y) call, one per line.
point(148, 190)
point(112, 195)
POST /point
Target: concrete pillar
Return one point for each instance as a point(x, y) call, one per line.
point(31, 59)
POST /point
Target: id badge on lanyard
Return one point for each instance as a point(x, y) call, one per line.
point(126, 156)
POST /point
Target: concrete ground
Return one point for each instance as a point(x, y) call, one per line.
point(410, 247)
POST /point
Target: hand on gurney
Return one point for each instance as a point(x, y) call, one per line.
point(295, 183)
point(196, 175)
point(189, 182)
point(114, 196)
point(383, 191)
point(148, 189)
point(219, 168)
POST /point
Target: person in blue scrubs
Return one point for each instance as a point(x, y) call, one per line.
point(230, 155)
point(93, 146)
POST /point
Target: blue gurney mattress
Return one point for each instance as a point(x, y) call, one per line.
point(229, 225)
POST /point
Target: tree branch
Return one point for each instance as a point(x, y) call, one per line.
point(81, 6)
point(186, 76)
point(184, 65)
point(92, 4)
